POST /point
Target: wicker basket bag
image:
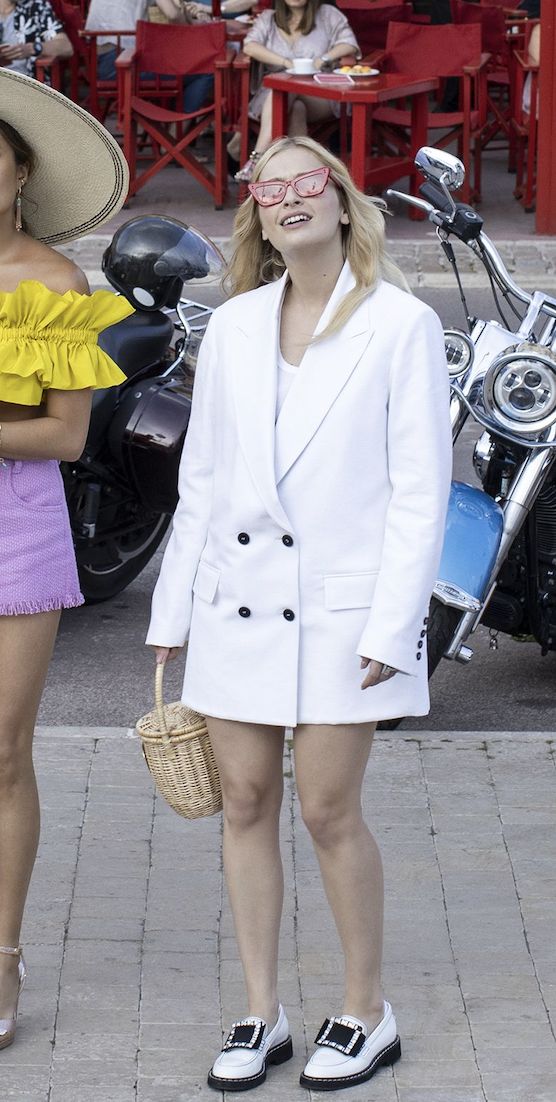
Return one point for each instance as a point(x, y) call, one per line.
point(178, 753)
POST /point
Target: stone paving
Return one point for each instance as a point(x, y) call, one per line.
point(133, 971)
point(532, 264)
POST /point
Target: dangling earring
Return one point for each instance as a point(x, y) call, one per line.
point(18, 218)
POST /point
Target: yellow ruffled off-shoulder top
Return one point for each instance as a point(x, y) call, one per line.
point(50, 340)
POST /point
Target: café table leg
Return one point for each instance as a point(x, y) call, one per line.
point(419, 113)
point(279, 113)
point(358, 143)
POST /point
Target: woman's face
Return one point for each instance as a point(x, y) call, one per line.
point(10, 176)
point(296, 225)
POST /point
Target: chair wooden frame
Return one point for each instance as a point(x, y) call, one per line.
point(464, 125)
point(158, 122)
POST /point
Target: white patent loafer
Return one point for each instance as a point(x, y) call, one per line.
point(346, 1055)
point(248, 1050)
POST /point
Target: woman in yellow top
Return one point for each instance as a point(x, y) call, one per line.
point(49, 364)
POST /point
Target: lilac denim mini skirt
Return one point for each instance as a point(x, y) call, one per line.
point(38, 572)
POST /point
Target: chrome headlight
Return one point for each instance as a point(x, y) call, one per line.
point(459, 352)
point(519, 390)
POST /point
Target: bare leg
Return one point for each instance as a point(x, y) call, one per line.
point(305, 111)
point(26, 644)
point(349, 859)
point(249, 758)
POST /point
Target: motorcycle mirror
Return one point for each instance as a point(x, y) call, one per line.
point(444, 168)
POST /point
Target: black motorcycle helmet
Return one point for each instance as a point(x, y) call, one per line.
point(151, 257)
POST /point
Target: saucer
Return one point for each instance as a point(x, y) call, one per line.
point(308, 73)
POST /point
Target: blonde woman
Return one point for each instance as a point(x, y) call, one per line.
point(313, 490)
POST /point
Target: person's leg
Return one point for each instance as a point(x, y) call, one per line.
point(306, 111)
point(106, 63)
point(249, 758)
point(264, 138)
point(198, 90)
point(26, 644)
point(350, 863)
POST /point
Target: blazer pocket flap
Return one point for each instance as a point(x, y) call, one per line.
point(206, 582)
point(349, 590)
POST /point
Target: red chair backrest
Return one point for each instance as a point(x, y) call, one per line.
point(370, 23)
point(180, 50)
point(492, 21)
point(70, 15)
point(434, 51)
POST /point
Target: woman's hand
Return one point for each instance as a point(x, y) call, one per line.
point(377, 672)
point(166, 654)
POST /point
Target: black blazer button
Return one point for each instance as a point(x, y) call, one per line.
point(288, 614)
point(243, 537)
point(243, 611)
point(420, 644)
point(418, 656)
point(287, 541)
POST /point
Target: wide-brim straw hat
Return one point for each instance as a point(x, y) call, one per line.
point(80, 177)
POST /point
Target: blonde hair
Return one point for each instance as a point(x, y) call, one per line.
point(255, 262)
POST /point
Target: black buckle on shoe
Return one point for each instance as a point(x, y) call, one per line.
point(348, 1039)
point(245, 1035)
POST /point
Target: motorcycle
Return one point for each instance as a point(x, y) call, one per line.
point(498, 563)
point(122, 491)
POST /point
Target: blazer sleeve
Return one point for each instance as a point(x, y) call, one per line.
point(419, 454)
point(173, 599)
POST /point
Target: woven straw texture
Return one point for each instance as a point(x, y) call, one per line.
point(81, 177)
point(178, 753)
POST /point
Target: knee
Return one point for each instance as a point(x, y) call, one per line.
point(247, 805)
point(329, 823)
point(15, 754)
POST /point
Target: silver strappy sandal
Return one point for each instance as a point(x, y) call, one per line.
point(8, 1025)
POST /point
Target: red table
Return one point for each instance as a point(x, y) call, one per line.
point(363, 95)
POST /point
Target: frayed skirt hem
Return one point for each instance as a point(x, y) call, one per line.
point(30, 608)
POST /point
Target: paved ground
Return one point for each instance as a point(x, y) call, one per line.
point(132, 962)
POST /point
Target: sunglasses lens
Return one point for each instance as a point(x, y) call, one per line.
point(313, 183)
point(268, 193)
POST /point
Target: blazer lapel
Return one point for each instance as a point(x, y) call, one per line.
point(323, 373)
point(255, 383)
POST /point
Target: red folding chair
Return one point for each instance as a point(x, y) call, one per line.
point(524, 127)
point(444, 51)
point(369, 22)
point(179, 51)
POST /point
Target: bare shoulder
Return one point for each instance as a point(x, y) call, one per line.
point(56, 271)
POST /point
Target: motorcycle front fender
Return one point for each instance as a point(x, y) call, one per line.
point(473, 532)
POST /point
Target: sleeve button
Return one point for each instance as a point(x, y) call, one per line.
point(418, 656)
point(420, 644)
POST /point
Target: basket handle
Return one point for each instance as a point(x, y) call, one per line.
point(158, 699)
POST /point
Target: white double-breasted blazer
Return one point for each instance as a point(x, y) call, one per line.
point(299, 545)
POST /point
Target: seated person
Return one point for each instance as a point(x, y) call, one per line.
point(295, 28)
point(118, 15)
point(29, 29)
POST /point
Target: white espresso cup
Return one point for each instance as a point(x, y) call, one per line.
point(303, 65)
